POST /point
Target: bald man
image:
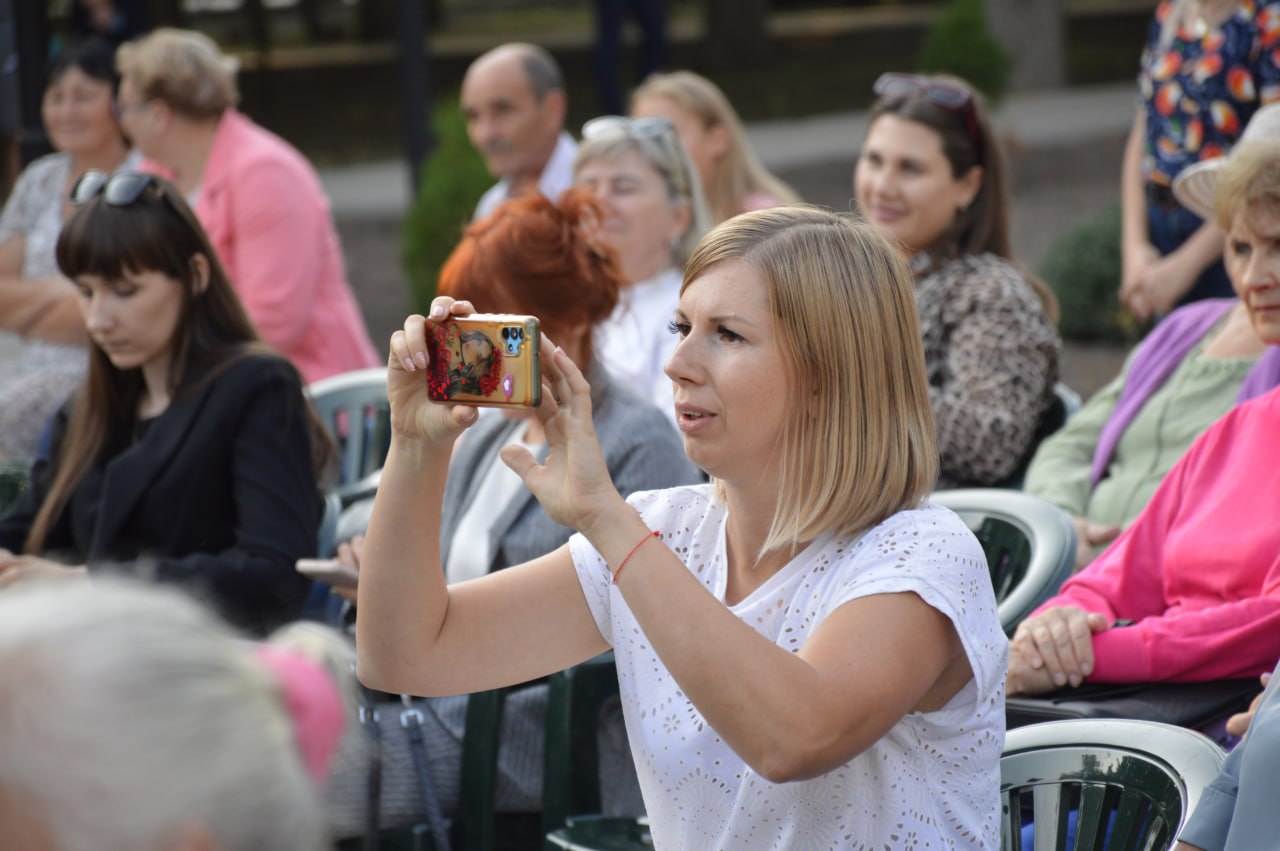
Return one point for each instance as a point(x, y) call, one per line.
point(514, 102)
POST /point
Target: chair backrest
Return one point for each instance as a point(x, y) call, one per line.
point(1114, 784)
point(1030, 545)
point(355, 410)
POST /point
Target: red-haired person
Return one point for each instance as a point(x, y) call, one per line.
point(535, 257)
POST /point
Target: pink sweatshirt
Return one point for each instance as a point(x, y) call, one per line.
point(268, 219)
point(1199, 570)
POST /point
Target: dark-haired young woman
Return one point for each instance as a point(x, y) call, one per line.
point(931, 178)
point(189, 454)
point(41, 334)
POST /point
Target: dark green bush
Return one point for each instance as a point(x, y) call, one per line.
point(960, 44)
point(453, 180)
point(1083, 268)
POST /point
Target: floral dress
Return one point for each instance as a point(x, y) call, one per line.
point(1200, 90)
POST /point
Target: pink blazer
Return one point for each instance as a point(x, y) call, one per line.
point(268, 219)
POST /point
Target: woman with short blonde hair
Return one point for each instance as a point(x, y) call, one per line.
point(183, 68)
point(820, 674)
point(257, 197)
point(732, 176)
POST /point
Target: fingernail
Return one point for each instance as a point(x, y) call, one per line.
point(1075, 680)
point(408, 365)
point(469, 416)
point(1088, 669)
point(421, 358)
point(437, 312)
point(1059, 679)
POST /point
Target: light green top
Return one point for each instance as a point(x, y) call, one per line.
point(1200, 390)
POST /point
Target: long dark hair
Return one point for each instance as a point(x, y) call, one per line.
point(156, 233)
point(983, 226)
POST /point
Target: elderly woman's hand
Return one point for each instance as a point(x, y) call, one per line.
point(1059, 642)
point(413, 413)
point(573, 485)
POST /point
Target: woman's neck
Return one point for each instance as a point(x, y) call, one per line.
point(155, 393)
point(1236, 338)
point(750, 516)
point(188, 153)
point(638, 273)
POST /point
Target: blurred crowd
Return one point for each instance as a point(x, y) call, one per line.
point(746, 402)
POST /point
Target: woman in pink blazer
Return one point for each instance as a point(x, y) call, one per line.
point(258, 198)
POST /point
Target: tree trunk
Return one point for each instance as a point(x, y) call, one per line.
point(1032, 32)
point(738, 32)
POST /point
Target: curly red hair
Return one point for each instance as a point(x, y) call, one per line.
point(536, 257)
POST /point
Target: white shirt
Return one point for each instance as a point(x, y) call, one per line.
point(470, 554)
point(636, 342)
point(556, 177)
point(932, 781)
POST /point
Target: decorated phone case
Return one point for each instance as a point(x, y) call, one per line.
point(486, 359)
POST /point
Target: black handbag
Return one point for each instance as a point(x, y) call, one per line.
point(378, 793)
point(1198, 706)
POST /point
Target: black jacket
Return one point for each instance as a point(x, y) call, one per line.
point(218, 494)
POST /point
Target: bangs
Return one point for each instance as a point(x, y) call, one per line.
point(110, 242)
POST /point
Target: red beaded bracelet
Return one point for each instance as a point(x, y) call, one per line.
point(654, 534)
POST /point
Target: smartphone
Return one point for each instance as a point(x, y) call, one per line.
point(487, 359)
point(328, 570)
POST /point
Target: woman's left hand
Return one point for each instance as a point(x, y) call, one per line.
point(16, 569)
point(573, 486)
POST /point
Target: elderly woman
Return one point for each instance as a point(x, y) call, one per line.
point(931, 178)
point(1103, 466)
point(1191, 590)
point(810, 584)
point(134, 719)
point(732, 177)
point(258, 198)
point(653, 215)
point(41, 333)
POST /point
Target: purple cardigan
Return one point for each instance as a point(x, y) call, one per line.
point(1156, 359)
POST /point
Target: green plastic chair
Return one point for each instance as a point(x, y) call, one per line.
point(14, 476)
point(1116, 784)
point(1029, 542)
point(354, 408)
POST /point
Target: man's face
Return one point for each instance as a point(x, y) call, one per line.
point(511, 128)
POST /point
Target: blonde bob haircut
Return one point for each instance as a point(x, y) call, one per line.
point(860, 445)
point(183, 69)
point(1248, 181)
point(739, 172)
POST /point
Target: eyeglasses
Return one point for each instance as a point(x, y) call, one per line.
point(953, 97)
point(118, 190)
point(637, 128)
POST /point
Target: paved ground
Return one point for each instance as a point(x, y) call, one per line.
point(1065, 148)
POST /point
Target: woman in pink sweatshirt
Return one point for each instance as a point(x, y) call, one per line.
point(1191, 591)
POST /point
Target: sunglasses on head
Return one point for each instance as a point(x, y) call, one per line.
point(118, 190)
point(953, 97)
point(637, 128)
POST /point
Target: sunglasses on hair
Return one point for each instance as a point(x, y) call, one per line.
point(118, 190)
point(637, 128)
point(953, 97)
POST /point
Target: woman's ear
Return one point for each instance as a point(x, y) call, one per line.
point(682, 220)
point(970, 185)
point(199, 274)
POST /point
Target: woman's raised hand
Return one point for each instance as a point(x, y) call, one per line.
point(573, 485)
point(413, 413)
